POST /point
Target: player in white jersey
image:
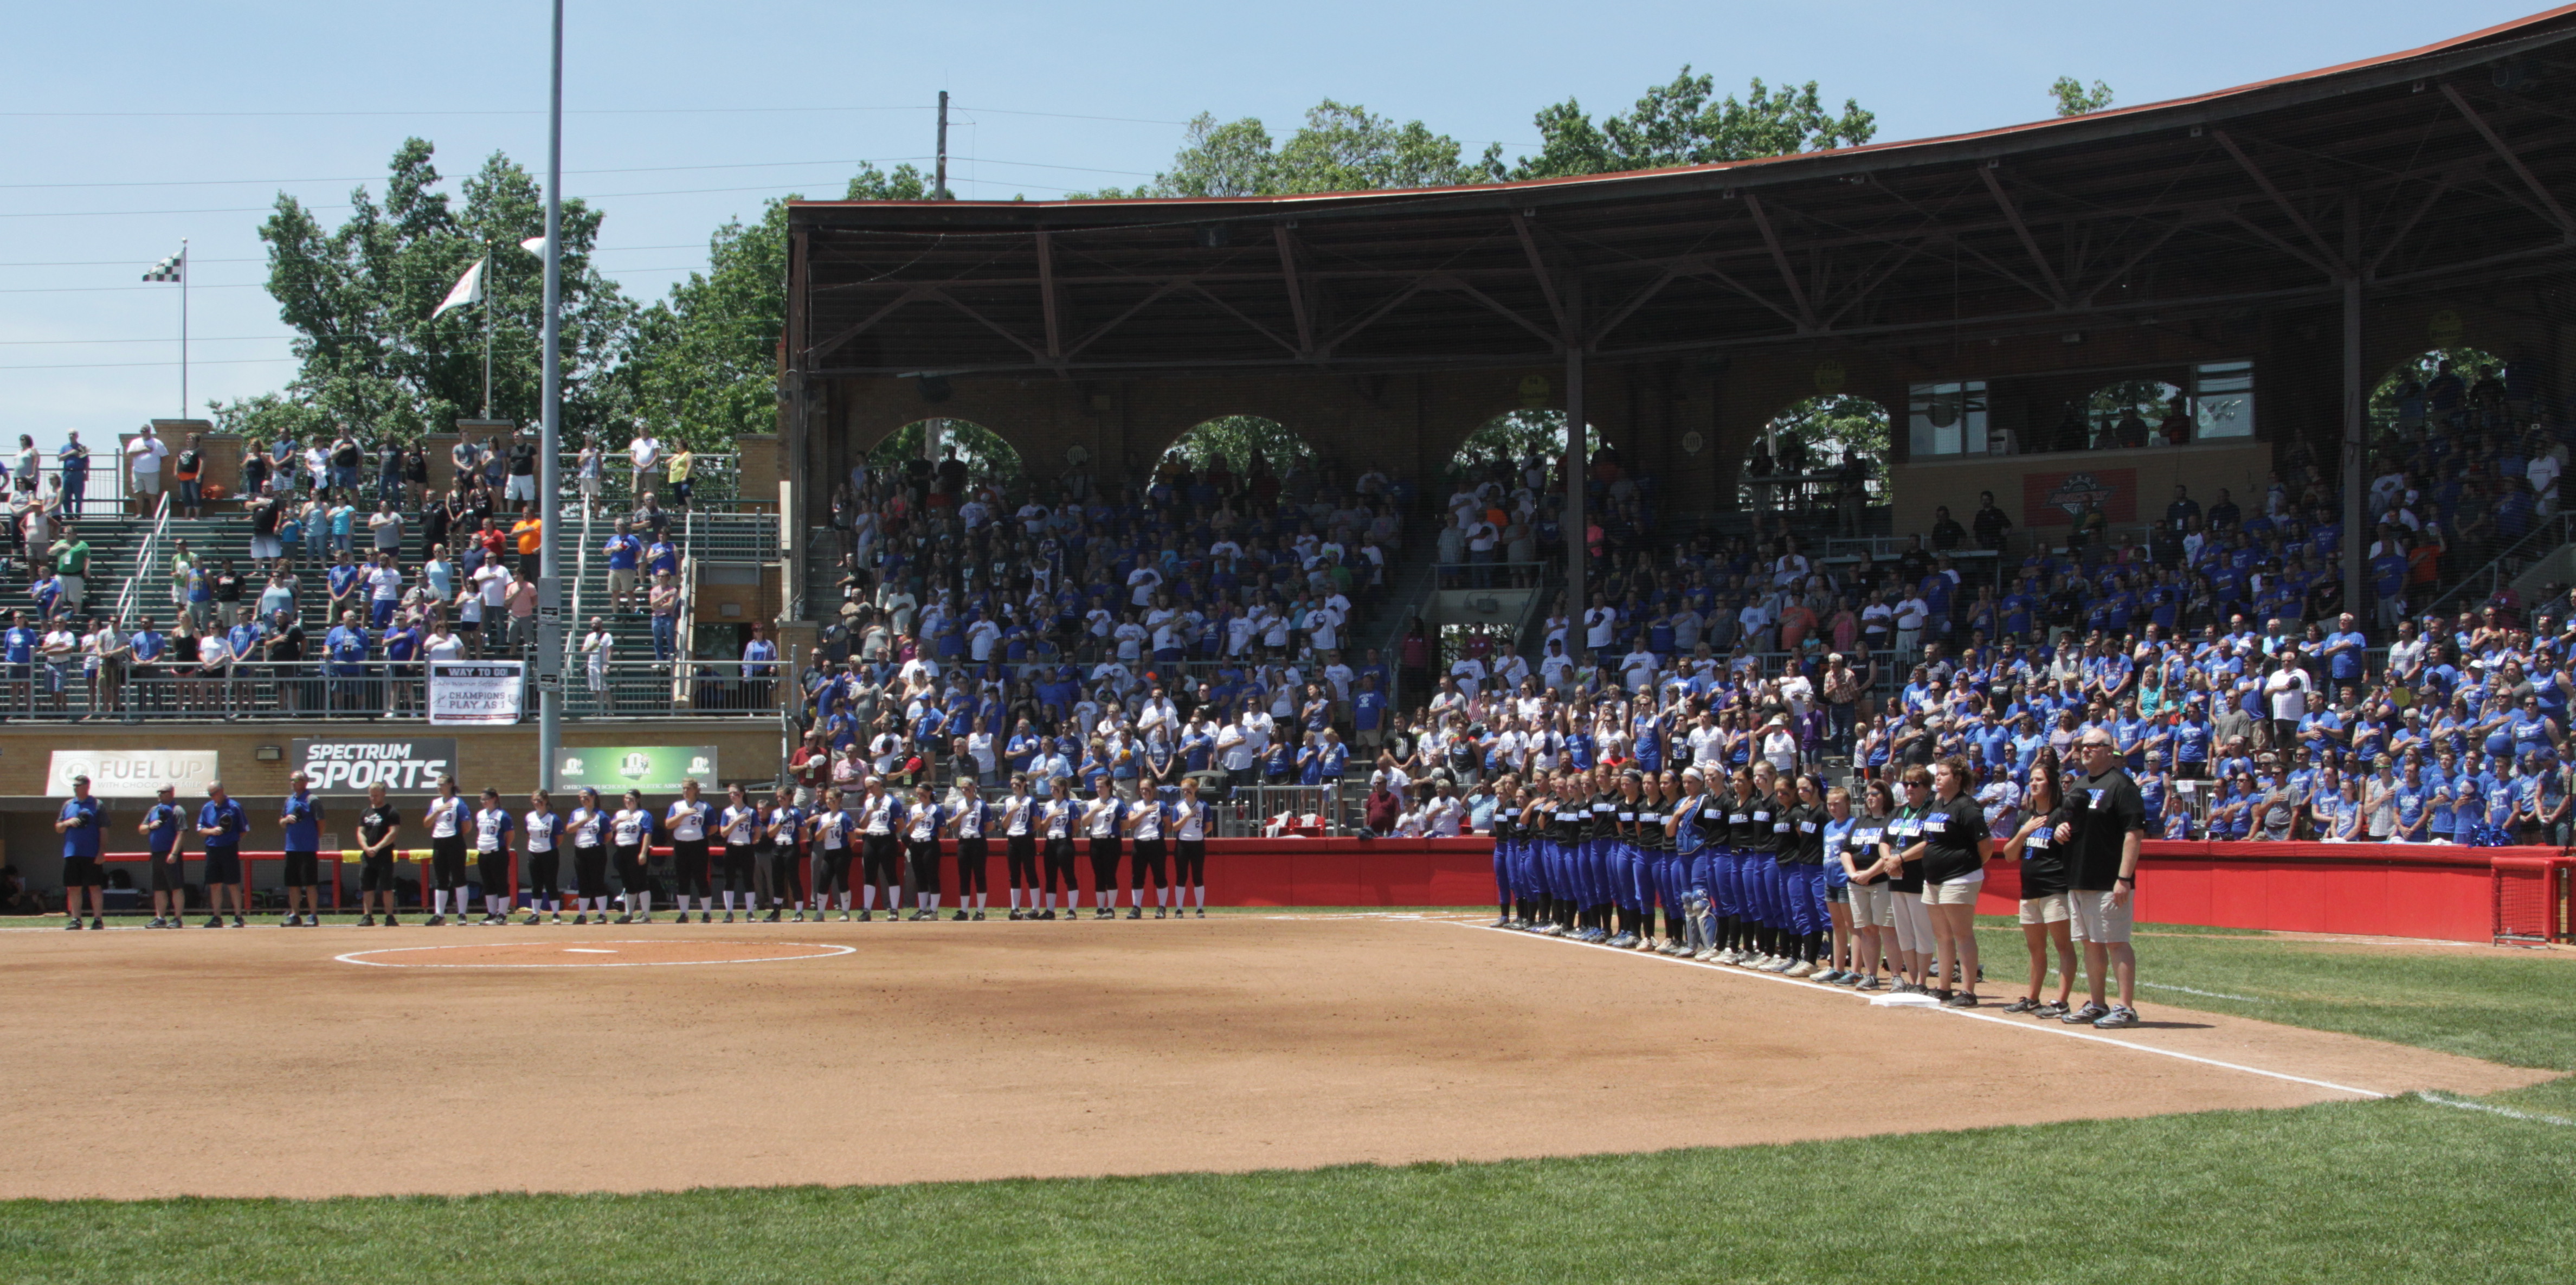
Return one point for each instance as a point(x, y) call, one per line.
point(831, 834)
point(1189, 826)
point(544, 857)
point(969, 823)
point(880, 864)
point(587, 830)
point(1059, 819)
point(739, 827)
point(492, 827)
point(446, 819)
point(689, 822)
point(630, 836)
point(1016, 816)
point(1149, 868)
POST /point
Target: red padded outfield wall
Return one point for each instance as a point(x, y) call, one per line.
point(2395, 890)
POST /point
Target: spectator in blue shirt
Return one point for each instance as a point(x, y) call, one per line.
point(301, 822)
point(221, 824)
point(625, 555)
point(161, 830)
point(82, 819)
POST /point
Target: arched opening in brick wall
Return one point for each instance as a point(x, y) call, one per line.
point(1238, 458)
point(1815, 454)
point(950, 456)
point(2454, 389)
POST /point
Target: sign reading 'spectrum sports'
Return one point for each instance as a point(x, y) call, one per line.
point(337, 765)
point(474, 692)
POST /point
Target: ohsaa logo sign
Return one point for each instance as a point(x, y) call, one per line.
point(2057, 499)
point(2080, 491)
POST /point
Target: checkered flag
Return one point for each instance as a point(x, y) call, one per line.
point(174, 268)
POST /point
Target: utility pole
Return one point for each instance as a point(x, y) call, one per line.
point(550, 444)
point(939, 182)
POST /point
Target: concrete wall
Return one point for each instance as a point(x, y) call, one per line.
point(503, 758)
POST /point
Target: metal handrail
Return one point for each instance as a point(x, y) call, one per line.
point(126, 598)
point(2559, 528)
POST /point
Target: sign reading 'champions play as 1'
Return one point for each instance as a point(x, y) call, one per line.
point(337, 765)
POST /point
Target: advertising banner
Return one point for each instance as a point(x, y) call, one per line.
point(654, 769)
point(131, 774)
point(348, 765)
point(474, 692)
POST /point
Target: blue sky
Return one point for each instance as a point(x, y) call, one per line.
point(125, 128)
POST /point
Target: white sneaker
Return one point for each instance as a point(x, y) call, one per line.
point(1705, 955)
point(1776, 964)
point(1799, 969)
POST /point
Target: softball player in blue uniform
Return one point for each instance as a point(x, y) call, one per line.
point(1688, 829)
point(1620, 858)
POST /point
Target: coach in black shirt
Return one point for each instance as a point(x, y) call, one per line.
point(2103, 838)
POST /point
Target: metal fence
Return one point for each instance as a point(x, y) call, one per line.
point(374, 689)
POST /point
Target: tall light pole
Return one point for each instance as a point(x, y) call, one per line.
point(550, 444)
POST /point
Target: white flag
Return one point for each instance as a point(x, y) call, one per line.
point(535, 245)
point(469, 289)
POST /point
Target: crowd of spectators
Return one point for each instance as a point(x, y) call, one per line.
point(1200, 621)
point(407, 574)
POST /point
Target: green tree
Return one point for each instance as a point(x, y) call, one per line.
point(1238, 439)
point(1816, 433)
point(983, 451)
point(703, 363)
point(2073, 99)
point(1683, 123)
point(360, 297)
point(1342, 147)
point(1511, 438)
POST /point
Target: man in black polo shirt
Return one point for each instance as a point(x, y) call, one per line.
point(2103, 838)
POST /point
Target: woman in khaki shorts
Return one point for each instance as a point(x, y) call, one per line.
point(1904, 859)
point(1873, 909)
point(1954, 849)
point(2045, 913)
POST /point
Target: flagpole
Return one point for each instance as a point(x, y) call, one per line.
point(183, 326)
point(486, 282)
point(550, 441)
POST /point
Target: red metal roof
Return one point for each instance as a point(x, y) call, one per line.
point(2139, 117)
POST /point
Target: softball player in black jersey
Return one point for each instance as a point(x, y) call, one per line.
point(1017, 818)
point(587, 828)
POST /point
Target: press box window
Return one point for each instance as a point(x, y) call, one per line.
point(1946, 419)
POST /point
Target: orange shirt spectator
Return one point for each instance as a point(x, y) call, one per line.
point(532, 535)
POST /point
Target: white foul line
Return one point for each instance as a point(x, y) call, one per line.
point(2442, 1101)
point(821, 951)
point(2059, 1029)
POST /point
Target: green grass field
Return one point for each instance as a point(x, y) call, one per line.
point(2399, 1190)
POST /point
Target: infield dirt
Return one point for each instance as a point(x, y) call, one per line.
point(258, 1063)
